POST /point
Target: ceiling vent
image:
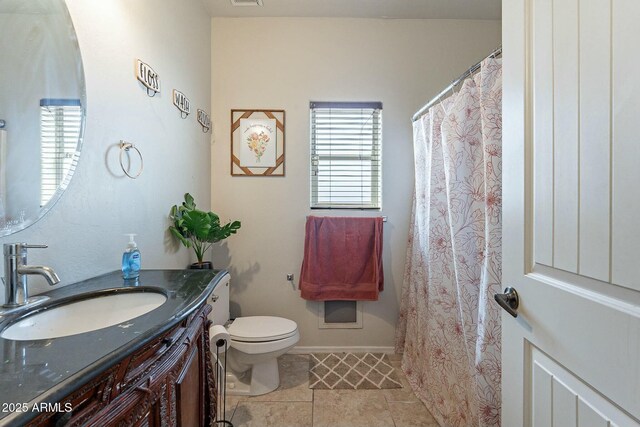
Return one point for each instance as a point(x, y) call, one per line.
point(246, 3)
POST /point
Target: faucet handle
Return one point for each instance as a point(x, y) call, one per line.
point(19, 249)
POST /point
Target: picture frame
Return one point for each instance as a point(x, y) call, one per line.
point(257, 142)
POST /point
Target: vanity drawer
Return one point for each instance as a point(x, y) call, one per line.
point(147, 358)
point(145, 404)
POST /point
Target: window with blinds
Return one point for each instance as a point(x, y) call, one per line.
point(60, 125)
point(346, 163)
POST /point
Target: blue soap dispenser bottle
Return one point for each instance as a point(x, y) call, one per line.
point(131, 260)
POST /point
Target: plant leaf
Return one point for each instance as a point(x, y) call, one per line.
point(197, 222)
point(176, 233)
point(189, 202)
point(220, 233)
point(215, 219)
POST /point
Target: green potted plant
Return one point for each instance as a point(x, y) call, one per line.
point(198, 229)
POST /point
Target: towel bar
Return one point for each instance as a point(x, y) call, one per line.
point(384, 218)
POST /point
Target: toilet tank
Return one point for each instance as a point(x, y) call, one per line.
point(219, 300)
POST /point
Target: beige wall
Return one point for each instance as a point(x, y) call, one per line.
point(84, 230)
point(283, 63)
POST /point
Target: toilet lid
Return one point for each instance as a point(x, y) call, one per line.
point(261, 328)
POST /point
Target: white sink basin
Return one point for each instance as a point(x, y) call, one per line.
point(84, 316)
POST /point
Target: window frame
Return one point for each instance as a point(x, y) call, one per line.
point(375, 151)
point(55, 108)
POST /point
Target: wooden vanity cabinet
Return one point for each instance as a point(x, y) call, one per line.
point(170, 382)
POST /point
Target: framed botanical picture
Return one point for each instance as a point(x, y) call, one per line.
point(257, 142)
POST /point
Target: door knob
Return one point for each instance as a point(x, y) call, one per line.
point(509, 300)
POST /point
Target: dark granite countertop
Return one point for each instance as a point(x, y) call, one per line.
point(48, 370)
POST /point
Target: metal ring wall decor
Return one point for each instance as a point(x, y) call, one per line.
point(125, 147)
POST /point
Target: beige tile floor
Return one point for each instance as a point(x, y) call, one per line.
point(294, 404)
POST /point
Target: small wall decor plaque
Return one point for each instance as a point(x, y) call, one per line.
point(182, 103)
point(204, 120)
point(257, 142)
point(148, 77)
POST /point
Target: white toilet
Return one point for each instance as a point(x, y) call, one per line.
point(255, 344)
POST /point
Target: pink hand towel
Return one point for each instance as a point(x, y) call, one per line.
point(342, 259)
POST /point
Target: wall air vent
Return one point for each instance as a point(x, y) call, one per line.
point(246, 3)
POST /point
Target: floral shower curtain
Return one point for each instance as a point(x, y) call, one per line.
point(449, 328)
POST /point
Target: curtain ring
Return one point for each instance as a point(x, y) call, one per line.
point(183, 114)
point(151, 93)
point(126, 146)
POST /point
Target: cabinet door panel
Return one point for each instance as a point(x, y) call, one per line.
point(189, 391)
point(139, 407)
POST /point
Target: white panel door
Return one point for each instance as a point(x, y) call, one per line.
point(571, 206)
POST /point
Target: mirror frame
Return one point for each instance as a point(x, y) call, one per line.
point(78, 151)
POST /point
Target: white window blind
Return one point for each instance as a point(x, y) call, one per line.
point(60, 125)
point(346, 163)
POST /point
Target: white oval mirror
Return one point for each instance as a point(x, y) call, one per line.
point(42, 108)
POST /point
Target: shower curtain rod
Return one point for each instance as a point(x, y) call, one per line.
point(421, 112)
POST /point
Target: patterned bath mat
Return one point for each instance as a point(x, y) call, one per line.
point(358, 371)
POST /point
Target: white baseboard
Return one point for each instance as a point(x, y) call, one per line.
point(339, 349)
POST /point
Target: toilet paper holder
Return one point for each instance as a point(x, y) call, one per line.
point(220, 340)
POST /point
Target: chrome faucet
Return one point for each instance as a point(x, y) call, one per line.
point(16, 271)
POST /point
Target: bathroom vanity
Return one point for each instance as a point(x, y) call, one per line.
point(152, 370)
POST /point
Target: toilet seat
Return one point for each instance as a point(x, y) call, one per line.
point(257, 329)
point(265, 347)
